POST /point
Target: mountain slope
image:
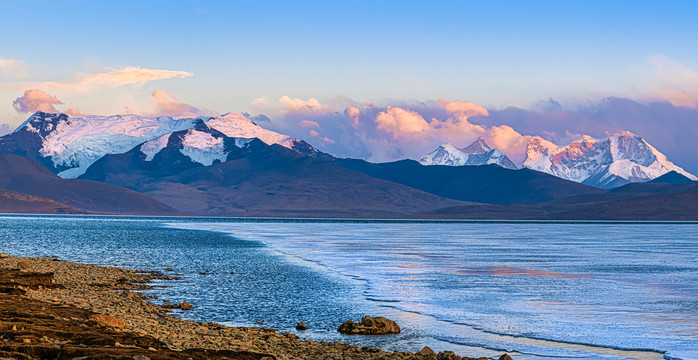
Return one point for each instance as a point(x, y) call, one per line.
point(476, 154)
point(484, 184)
point(604, 163)
point(245, 177)
point(25, 176)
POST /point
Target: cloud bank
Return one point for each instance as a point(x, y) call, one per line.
point(411, 129)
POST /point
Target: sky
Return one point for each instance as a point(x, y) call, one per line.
point(380, 80)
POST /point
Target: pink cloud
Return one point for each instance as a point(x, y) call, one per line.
point(313, 133)
point(36, 100)
point(300, 105)
point(166, 104)
point(400, 122)
point(328, 140)
point(353, 113)
point(74, 112)
point(308, 123)
point(467, 108)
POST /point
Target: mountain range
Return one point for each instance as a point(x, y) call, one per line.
point(228, 166)
point(602, 163)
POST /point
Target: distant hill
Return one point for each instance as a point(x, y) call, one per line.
point(483, 184)
point(672, 177)
point(22, 175)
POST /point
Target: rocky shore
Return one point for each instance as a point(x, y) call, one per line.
point(58, 309)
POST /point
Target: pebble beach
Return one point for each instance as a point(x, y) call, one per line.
point(109, 302)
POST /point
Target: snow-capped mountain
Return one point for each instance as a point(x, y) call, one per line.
point(604, 163)
point(69, 145)
point(475, 154)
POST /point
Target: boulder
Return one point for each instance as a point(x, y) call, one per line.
point(23, 266)
point(185, 306)
point(107, 321)
point(427, 352)
point(448, 355)
point(370, 326)
point(505, 357)
point(301, 326)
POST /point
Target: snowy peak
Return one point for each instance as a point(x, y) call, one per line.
point(604, 163)
point(42, 123)
point(479, 146)
point(476, 154)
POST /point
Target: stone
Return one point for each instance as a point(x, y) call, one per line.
point(370, 326)
point(169, 269)
point(107, 321)
point(23, 266)
point(185, 306)
point(140, 357)
point(426, 351)
point(447, 355)
point(3, 255)
point(505, 357)
point(301, 326)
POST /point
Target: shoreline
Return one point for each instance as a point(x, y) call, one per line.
point(113, 292)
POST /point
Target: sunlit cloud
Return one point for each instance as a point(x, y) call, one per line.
point(466, 108)
point(166, 104)
point(36, 100)
point(401, 122)
point(73, 112)
point(83, 82)
point(308, 123)
point(313, 133)
point(300, 105)
point(353, 113)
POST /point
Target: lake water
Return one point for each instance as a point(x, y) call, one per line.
point(537, 290)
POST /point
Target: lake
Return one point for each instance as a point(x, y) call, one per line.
point(534, 289)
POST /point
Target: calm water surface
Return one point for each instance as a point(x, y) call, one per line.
point(539, 290)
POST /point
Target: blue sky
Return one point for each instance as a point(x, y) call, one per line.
point(227, 55)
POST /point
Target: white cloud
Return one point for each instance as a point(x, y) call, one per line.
point(10, 68)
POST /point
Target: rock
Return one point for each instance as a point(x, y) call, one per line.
point(301, 326)
point(426, 351)
point(3, 255)
point(169, 269)
point(447, 355)
point(108, 321)
point(370, 326)
point(505, 357)
point(140, 357)
point(23, 266)
point(185, 306)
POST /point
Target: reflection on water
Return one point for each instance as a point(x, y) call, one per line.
point(536, 289)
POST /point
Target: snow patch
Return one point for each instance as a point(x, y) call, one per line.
point(203, 148)
point(152, 147)
point(238, 126)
